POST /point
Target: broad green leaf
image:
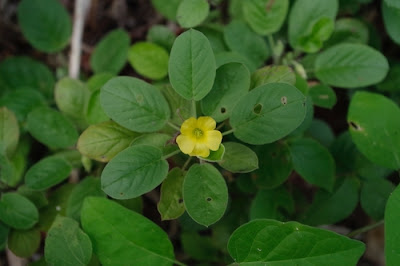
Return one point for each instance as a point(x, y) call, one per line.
point(149, 60)
point(268, 113)
point(271, 74)
point(36, 197)
point(313, 162)
point(17, 211)
point(199, 247)
point(223, 58)
point(89, 186)
point(103, 141)
point(374, 124)
point(392, 233)
point(205, 194)
point(390, 83)
point(4, 232)
point(8, 171)
point(275, 165)
point(168, 11)
point(330, 208)
point(134, 104)
point(269, 242)
point(311, 23)
point(111, 53)
point(307, 119)
point(9, 131)
point(374, 195)
point(391, 18)
point(181, 109)
point(47, 172)
point(21, 71)
point(215, 36)
point(349, 30)
point(350, 66)
point(138, 241)
point(322, 132)
point(392, 3)
point(133, 172)
point(191, 13)
point(265, 16)
point(232, 82)
point(21, 101)
point(48, 28)
point(19, 162)
point(171, 204)
point(238, 158)
point(192, 65)
point(161, 35)
point(97, 81)
point(24, 243)
point(323, 96)
point(95, 113)
point(159, 140)
point(272, 204)
point(67, 244)
point(51, 128)
point(241, 39)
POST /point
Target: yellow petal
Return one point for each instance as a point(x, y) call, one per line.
point(200, 150)
point(185, 143)
point(188, 126)
point(214, 138)
point(206, 123)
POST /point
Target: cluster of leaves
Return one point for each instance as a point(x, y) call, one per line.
point(117, 135)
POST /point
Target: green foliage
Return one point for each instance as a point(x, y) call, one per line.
point(191, 13)
point(238, 158)
point(24, 243)
point(392, 236)
point(171, 199)
point(17, 211)
point(9, 131)
point(391, 17)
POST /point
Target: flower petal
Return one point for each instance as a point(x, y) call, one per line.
point(185, 143)
point(214, 138)
point(200, 150)
point(188, 126)
point(206, 123)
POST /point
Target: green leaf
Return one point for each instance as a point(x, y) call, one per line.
point(330, 208)
point(374, 195)
point(323, 96)
point(311, 23)
point(149, 60)
point(192, 65)
point(161, 35)
point(307, 120)
point(351, 66)
point(103, 141)
point(270, 242)
point(111, 53)
point(139, 241)
point(205, 194)
point(238, 158)
point(21, 71)
point(214, 34)
point(313, 162)
point(241, 39)
point(51, 128)
point(199, 247)
point(4, 232)
point(37, 197)
point(17, 211)
point(181, 109)
point(215, 156)
point(322, 132)
point(392, 233)
point(134, 104)
point(191, 13)
point(223, 58)
point(349, 30)
point(391, 18)
point(24, 243)
point(48, 28)
point(374, 124)
point(95, 113)
point(9, 131)
point(271, 74)
point(97, 81)
point(232, 82)
point(159, 140)
point(392, 3)
point(67, 244)
point(168, 11)
point(275, 165)
point(265, 16)
point(89, 186)
point(171, 204)
point(47, 172)
point(272, 204)
point(390, 83)
point(133, 172)
point(268, 113)
point(8, 171)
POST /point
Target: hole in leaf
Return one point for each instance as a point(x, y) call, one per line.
point(257, 108)
point(354, 125)
point(223, 110)
point(180, 201)
point(209, 199)
point(284, 100)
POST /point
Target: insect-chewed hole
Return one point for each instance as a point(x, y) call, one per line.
point(209, 199)
point(223, 110)
point(284, 100)
point(180, 201)
point(354, 125)
point(257, 108)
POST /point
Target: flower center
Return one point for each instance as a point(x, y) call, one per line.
point(198, 133)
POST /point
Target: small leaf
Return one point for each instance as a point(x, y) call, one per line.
point(205, 194)
point(9, 131)
point(24, 243)
point(215, 156)
point(133, 172)
point(17, 211)
point(389, 84)
point(67, 244)
point(168, 11)
point(391, 18)
point(37, 197)
point(97, 81)
point(139, 240)
point(322, 132)
point(349, 30)
point(392, 236)
point(192, 65)
point(111, 53)
point(271, 74)
point(374, 195)
point(134, 104)
point(323, 96)
point(191, 13)
point(238, 158)
point(171, 204)
point(95, 113)
point(321, 31)
point(161, 35)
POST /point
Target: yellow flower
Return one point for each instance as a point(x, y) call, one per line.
point(198, 136)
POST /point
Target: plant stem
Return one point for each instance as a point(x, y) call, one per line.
point(186, 164)
point(272, 46)
point(173, 126)
point(171, 154)
point(365, 229)
point(194, 111)
point(228, 132)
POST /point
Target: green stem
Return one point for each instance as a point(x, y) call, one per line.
point(272, 46)
point(173, 126)
point(185, 165)
point(365, 229)
point(194, 111)
point(228, 132)
point(171, 154)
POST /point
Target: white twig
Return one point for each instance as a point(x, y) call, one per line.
point(14, 260)
point(81, 8)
